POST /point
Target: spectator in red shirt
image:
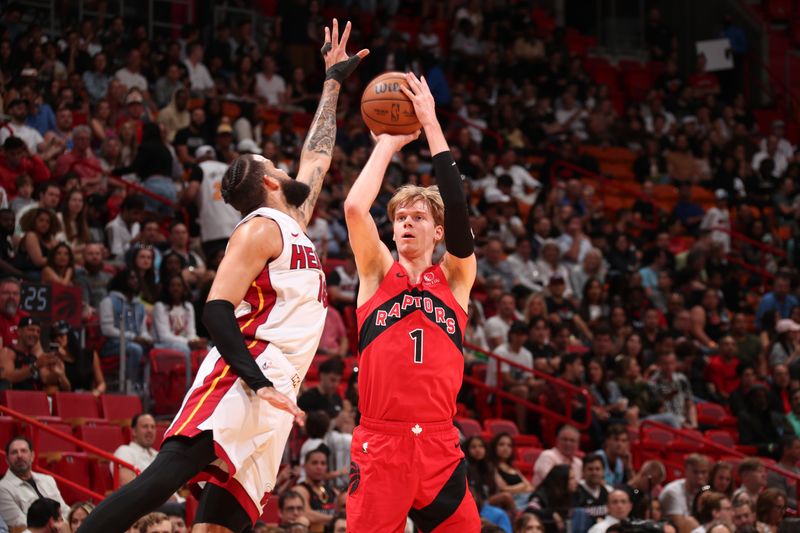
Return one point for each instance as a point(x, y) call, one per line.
point(703, 83)
point(15, 161)
point(10, 313)
point(81, 160)
point(721, 370)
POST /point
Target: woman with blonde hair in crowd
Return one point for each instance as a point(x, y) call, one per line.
point(77, 514)
point(535, 307)
point(152, 523)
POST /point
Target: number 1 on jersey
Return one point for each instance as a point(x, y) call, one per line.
point(416, 335)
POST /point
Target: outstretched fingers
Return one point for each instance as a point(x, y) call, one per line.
point(335, 35)
point(363, 53)
point(345, 35)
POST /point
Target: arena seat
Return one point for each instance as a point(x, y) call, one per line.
point(167, 380)
point(161, 429)
point(714, 415)
point(528, 454)
point(74, 467)
point(77, 408)
point(499, 425)
point(469, 427)
point(107, 437)
point(50, 447)
point(120, 408)
point(779, 10)
point(31, 403)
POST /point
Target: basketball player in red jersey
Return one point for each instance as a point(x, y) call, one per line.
point(405, 455)
point(265, 312)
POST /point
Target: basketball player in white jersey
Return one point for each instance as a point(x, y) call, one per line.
point(265, 313)
point(216, 218)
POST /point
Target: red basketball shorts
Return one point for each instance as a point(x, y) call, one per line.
point(400, 469)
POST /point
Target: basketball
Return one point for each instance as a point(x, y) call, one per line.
point(385, 108)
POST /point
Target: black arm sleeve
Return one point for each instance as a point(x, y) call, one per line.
point(458, 237)
point(221, 323)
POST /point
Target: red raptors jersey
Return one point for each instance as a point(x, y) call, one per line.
point(410, 349)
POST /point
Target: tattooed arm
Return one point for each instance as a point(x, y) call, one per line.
point(315, 159)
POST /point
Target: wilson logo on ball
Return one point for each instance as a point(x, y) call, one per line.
point(387, 88)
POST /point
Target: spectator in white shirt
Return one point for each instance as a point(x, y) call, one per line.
point(677, 497)
point(124, 228)
point(785, 148)
point(130, 75)
point(526, 187)
point(769, 150)
point(48, 148)
point(497, 326)
point(140, 452)
point(512, 378)
point(719, 217)
point(199, 77)
point(573, 243)
point(270, 86)
point(619, 508)
point(20, 486)
point(524, 267)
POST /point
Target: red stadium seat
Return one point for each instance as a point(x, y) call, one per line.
point(161, 428)
point(167, 380)
point(498, 425)
point(714, 415)
point(74, 467)
point(120, 408)
point(48, 446)
point(528, 454)
point(469, 427)
point(107, 437)
point(721, 437)
point(77, 407)
point(31, 403)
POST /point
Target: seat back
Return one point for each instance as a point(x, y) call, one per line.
point(499, 425)
point(106, 437)
point(48, 443)
point(76, 405)
point(120, 407)
point(31, 403)
point(469, 427)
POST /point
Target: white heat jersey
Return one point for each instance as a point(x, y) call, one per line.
point(286, 304)
point(216, 218)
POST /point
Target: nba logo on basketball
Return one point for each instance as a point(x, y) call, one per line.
point(395, 112)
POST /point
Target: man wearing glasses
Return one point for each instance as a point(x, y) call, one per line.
point(290, 509)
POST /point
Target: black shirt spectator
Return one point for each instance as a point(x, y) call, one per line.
point(325, 396)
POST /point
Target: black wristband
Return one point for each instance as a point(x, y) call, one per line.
point(458, 238)
point(342, 69)
point(219, 319)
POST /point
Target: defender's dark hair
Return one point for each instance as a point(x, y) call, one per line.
point(241, 184)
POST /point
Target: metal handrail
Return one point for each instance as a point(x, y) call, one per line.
point(38, 426)
point(710, 444)
point(752, 242)
point(498, 391)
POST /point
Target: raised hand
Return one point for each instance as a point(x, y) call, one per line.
point(395, 141)
point(338, 65)
point(422, 98)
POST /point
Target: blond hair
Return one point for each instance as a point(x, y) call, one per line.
point(408, 194)
point(148, 520)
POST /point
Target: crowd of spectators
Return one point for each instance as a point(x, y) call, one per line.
point(644, 306)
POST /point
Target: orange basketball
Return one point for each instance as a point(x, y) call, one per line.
point(385, 108)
